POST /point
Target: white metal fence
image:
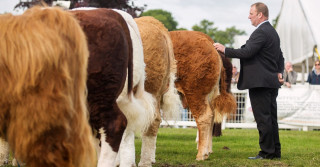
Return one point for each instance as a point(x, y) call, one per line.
point(237, 120)
point(186, 119)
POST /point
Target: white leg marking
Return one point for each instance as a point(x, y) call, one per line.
point(107, 155)
point(148, 151)
point(127, 149)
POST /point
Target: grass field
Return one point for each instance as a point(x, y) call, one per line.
point(177, 147)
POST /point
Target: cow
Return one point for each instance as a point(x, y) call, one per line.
point(161, 74)
point(137, 121)
point(115, 112)
point(201, 81)
point(43, 68)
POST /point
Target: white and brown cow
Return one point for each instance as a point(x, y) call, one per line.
point(115, 111)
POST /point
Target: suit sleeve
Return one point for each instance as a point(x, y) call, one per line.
point(281, 63)
point(250, 49)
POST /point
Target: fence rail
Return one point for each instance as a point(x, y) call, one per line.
point(236, 120)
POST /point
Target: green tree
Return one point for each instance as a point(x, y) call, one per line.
point(205, 27)
point(164, 17)
point(224, 37)
point(227, 37)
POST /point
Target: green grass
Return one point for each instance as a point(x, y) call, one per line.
point(177, 147)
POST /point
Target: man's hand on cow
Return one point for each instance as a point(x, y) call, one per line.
point(219, 47)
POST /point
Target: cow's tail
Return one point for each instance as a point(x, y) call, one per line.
point(139, 111)
point(130, 72)
point(171, 103)
point(225, 103)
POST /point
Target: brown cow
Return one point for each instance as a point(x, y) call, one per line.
point(161, 71)
point(199, 72)
point(43, 114)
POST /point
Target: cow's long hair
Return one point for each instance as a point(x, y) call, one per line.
point(43, 68)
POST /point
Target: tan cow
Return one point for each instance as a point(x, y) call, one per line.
point(161, 70)
point(43, 69)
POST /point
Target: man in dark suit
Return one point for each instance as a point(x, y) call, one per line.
point(261, 67)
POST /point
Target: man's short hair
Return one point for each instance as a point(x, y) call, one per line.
point(261, 7)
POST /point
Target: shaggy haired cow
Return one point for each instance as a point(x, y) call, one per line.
point(161, 74)
point(199, 72)
point(43, 69)
point(115, 113)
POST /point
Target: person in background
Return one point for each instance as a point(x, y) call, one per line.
point(235, 75)
point(262, 65)
point(289, 76)
point(314, 75)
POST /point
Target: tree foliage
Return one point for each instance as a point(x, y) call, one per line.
point(205, 27)
point(115, 4)
point(224, 37)
point(227, 37)
point(275, 21)
point(164, 17)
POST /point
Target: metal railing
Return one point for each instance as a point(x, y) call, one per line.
point(237, 120)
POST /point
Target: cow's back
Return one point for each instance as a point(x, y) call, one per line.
point(155, 54)
point(198, 63)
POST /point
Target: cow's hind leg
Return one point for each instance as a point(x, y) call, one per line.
point(113, 127)
point(107, 155)
point(4, 152)
point(210, 136)
point(204, 116)
point(127, 151)
point(148, 149)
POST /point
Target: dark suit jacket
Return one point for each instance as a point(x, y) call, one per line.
point(261, 59)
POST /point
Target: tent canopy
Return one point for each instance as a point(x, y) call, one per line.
point(299, 29)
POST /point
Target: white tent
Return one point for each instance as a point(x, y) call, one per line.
point(299, 30)
point(239, 40)
point(62, 3)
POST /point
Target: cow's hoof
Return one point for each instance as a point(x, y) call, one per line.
point(200, 158)
point(145, 164)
